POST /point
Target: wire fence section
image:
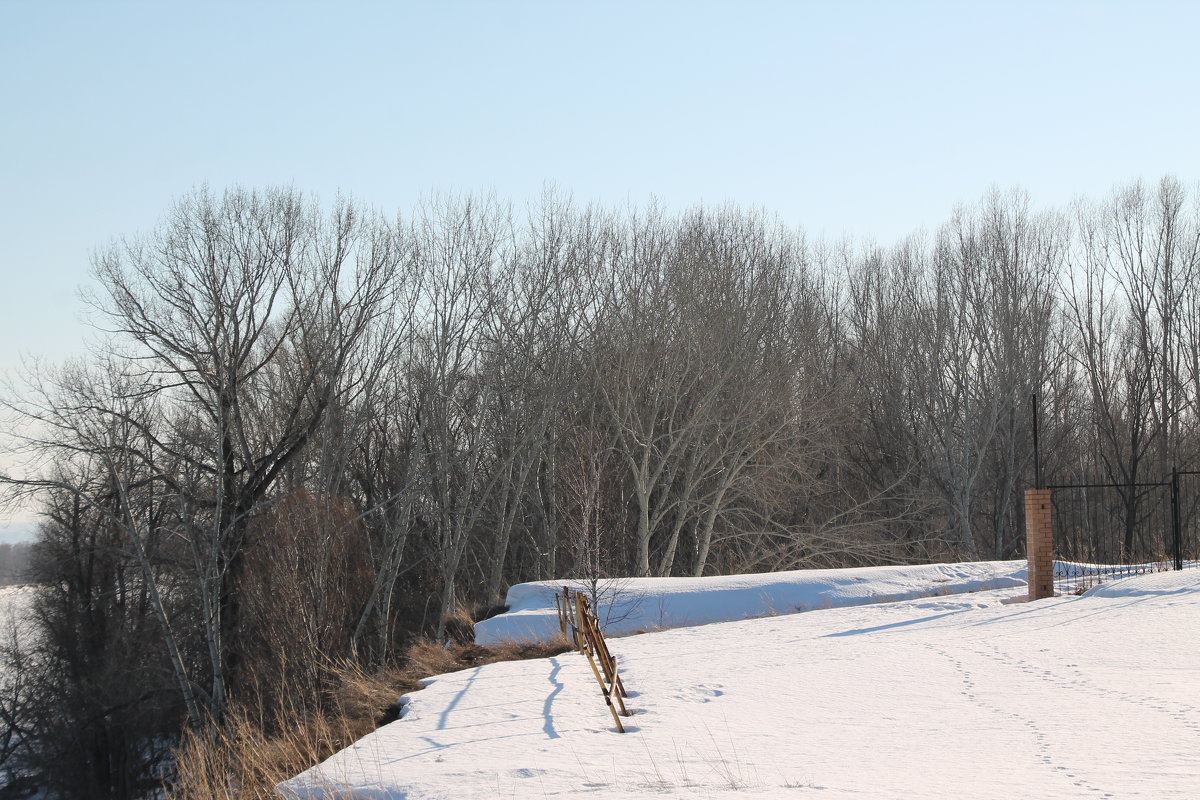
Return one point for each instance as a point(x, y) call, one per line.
point(578, 622)
point(1104, 531)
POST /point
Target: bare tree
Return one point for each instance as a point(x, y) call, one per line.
point(248, 315)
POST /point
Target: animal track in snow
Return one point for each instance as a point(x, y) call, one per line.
point(1040, 740)
point(1185, 714)
point(702, 692)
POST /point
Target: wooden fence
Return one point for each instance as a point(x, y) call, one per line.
point(579, 624)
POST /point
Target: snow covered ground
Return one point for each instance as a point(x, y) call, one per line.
point(634, 605)
point(15, 603)
point(956, 696)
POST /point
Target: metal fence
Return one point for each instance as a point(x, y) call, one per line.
point(1108, 530)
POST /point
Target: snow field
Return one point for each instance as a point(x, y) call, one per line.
point(946, 697)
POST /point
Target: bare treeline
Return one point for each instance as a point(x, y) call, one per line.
point(314, 431)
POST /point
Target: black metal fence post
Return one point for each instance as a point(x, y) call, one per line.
point(1176, 528)
point(1037, 449)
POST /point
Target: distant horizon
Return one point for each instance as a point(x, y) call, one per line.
point(16, 532)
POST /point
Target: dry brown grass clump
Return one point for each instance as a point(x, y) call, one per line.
point(258, 747)
point(425, 658)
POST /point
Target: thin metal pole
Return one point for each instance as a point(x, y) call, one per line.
point(1037, 449)
point(1176, 528)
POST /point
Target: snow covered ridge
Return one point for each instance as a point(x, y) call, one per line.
point(630, 605)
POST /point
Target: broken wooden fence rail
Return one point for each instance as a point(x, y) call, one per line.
point(578, 623)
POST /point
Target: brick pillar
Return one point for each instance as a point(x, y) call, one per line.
point(1039, 543)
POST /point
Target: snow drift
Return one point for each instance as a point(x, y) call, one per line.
point(630, 605)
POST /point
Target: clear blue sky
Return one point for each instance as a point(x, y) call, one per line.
point(861, 118)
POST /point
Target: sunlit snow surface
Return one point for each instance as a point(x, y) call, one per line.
point(633, 605)
point(959, 696)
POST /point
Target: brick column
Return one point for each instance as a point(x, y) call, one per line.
point(1039, 543)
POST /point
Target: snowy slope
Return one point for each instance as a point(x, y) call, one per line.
point(948, 697)
point(630, 605)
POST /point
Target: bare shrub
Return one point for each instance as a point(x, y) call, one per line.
point(305, 578)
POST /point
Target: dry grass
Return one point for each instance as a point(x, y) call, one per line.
point(426, 658)
point(259, 747)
